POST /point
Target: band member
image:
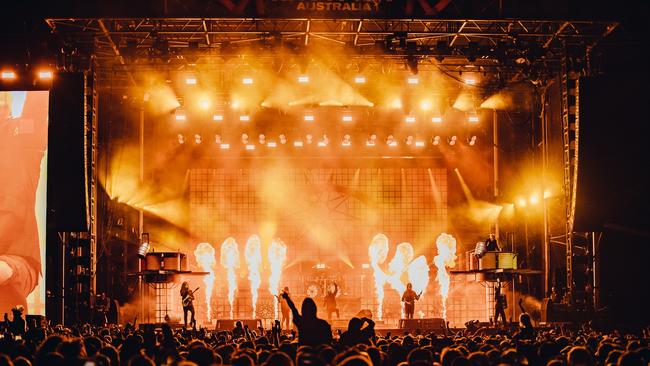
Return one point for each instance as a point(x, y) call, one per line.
point(491, 244)
point(187, 297)
point(102, 304)
point(330, 302)
point(500, 303)
point(285, 310)
point(408, 298)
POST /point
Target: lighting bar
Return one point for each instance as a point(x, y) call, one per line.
point(392, 143)
point(250, 147)
point(45, 75)
point(224, 146)
point(436, 140)
point(365, 265)
point(244, 118)
point(370, 143)
point(297, 143)
point(419, 143)
point(473, 118)
point(190, 80)
point(360, 80)
point(303, 79)
point(410, 119)
point(272, 144)
point(217, 117)
point(470, 81)
point(8, 75)
point(347, 118)
point(346, 143)
point(309, 117)
point(452, 140)
point(179, 115)
point(322, 143)
point(247, 81)
point(436, 119)
point(413, 80)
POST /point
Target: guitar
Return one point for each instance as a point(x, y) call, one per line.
point(412, 302)
point(187, 299)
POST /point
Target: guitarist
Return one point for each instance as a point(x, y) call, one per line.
point(408, 298)
point(188, 304)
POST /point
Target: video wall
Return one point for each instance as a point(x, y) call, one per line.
point(23, 182)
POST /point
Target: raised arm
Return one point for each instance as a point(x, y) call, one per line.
point(292, 306)
point(336, 289)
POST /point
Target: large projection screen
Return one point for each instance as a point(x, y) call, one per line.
point(23, 182)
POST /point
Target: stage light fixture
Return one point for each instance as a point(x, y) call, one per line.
point(198, 139)
point(410, 119)
point(262, 139)
point(204, 104)
point(409, 140)
point(144, 247)
point(45, 74)
point(425, 105)
point(244, 118)
point(436, 140)
point(181, 138)
point(272, 144)
point(470, 81)
point(250, 147)
point(297, 143)
point(436, 119)
point(8, 75)
point(419, 143)
point(224, 146)
point(365, 265)
point(283, 139)
point(521, 202)
point(452, 140)
point(320, 266)
point(413, 80)
point(303, 79)
point(191, 80)
point(244, 138)
point(346, 140)
point(346, 118)
point(217, 139)
point(472, 140)
point(390, 141)
point(371, 140)
point(309, 139)
point(324, 141)
point(396, 103)
point(179, 115)
point(309, 117)
point(473, 118)
point(360, 80)
point(247, 81)
point(217, 117)
point(534, 199)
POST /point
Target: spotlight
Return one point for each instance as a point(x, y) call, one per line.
point(413, 80)
point(217, 139)
point(244, 118)
point(204, 104)
point(7, 75)
point(390, 141)
point(217, 117)
point(534, 199)
point(470, 81)
point(309, 138)
point(224, 146)
point(360, 79)
point(425, 105)
point(181, 138)
point(303, 79)
point(190, 80)
point(419, 143)
point(521, 202)
point(250, 147)
point(247, 81)
point(198, 139)
point(436, 140)
point(179, 114)
point(436, 119)
point(45, 75)
point(262, 139)
point(410, 119)
point(396, 103)
point(452, 140)
point(371, 140)
point(473, 118)
point(409, 140)
point(283, 139)
point(272, 144)
point(346, 140)
point(309, 117)
point(324, 141)
point(320, 266)
point(244, 138)
point(297, 143)
point(471, 140)
point(346, 118)
point(365, 265)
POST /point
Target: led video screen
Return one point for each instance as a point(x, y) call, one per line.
point(23, 182)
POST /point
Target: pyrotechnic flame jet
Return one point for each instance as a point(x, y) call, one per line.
point(204, 254)
point(277, 256)
point(446, 257)
point(378, 251)
point(230, 261)
point(253, 256)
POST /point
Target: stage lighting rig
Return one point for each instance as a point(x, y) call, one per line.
point(452, 140)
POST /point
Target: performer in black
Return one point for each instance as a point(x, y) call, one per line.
point(285, 310)
point(187, 297)
point(491, 244)
point(330, 303)
point(102, 304)
point(409, 297)
point(500, 303)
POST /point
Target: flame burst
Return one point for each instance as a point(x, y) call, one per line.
point(204, 254)
point(277, 256)
point(230, 261)
point(378, 251)
point(253, 256)
point(446, 257)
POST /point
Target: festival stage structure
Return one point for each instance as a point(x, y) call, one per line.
point(294, 145)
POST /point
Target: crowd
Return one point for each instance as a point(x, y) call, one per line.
point(314, 344)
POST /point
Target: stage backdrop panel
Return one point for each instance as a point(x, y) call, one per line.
point(322, 214)
point(23, 182)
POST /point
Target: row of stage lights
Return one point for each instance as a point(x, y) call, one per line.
point(181, 116)
point(325, 141)
point(304, 79)
point(9, 75)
